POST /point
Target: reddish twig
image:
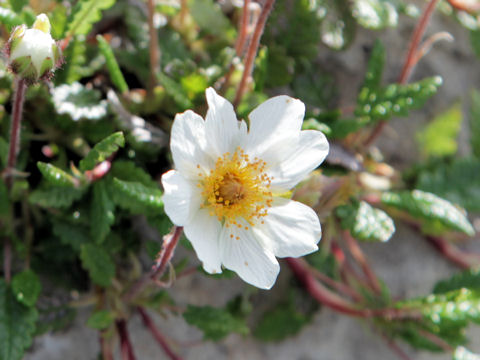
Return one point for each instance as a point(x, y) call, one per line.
point(451, 252)
point(395, 348)
point(434, 339)
point(125, 344)
point(252, 50)
point(105, 348)
point(153, 47)
point(242, 37)
point(410, 61)
point(157, 335)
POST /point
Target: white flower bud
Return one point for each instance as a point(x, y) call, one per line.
point(33, 52)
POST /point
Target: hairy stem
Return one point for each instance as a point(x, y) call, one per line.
point(242, 37)
point(147, 320)
point(125, 344)
point(252, 50)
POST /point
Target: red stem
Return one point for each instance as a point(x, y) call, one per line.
point(240, 46)
point(125, 344)
point(454, 254)
point(252, 50)
point(106, 349)
point(157, 334)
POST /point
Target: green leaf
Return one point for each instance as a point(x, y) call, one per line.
point(469, 278)
point(373, 76)
point(70, 234)
point(102, 212)
point(85, 14)
point(439, 138)
point(56, 197)
point(337, 26)
point(17, 324)
point(9, 18)
point(102, 151)
point(128, 171)
point(4, 199)
point(98, 264)
point(457, 181)
point(57, 176)
point(27, 287)
point(176, 91)
point(3, 152)
point(17, 5)
point(115, 73)
point(101, 319)
point(462, 353)
point(475, 123)
point(214, 322)
point(365, 222)
point(73, 65)
point(136, 197)
point(429, 207)
point(210, 18)
point(375, 14)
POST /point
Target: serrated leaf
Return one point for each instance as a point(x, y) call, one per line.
point(337, 26)
point(373, 76)
point(17, 324)
point(85, 14)
point(57, 176)
point(128, 171)
point(102, 212)
point(9, 18)
point(56, 197)
point(102, 151)
point(375, 14)
point(462, 353)
point(26, 287)
point(439, 138)
point(70, 234)
point(101, 319)
point(457, 181)
point(365, 222)
point(98, 264)
point(115, 73)
point(215, 323)
point(469, 279)
point(475, 123)
point(136, 197)
point(429, 207)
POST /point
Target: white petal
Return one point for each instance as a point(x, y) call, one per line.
point(291, 229)
point(204, 234)
point(223, 130)
point(310, 151)
point(248, 257)
point(188, 143)
point(274, 127)
point(181, 198)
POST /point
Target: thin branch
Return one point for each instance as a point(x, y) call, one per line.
point(442, 344)
point(157, 335)
point(105, 348)
point(252, 50)
point(242, 37)
point(125, 344)
point(454, 254)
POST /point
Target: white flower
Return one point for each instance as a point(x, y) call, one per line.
point(227, 186)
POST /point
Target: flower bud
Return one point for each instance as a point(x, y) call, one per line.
point(33, 54)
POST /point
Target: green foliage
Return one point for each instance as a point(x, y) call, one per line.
point(128, 171)
point(98, 263)
point(337, 23)
point(215, 323)
point(17, 5)
point(376, 63)
point(102, 212)
point(17, 324)
point(75, 59)
point(69, 234)
point(136, 197)
point(475, 123)
point(439, 138)
point(4, 201)
point(375, 14)
point(102, 151)
point(55, 197)
point(456, 181)
point(430, 207)
point(26, 287)
point(209, 17)
point(3, 152)
point(366, 223)
point(469, 279)
point(101, 319)
point(56, 176)
point(115, 73)
point(176, 91)
point(9, 18)
point(85, 14)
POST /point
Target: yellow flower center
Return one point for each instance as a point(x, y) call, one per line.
point(238, 188)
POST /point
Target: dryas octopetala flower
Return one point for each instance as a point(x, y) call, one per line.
point(228, 188)
point(33, 53)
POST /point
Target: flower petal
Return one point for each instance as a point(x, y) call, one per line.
point(181, 198)
point(204, 234)
point(248, 257)
point(311, 150)
point(274, 127)
point(291, 229)
point(224, 132)
point(188, 144)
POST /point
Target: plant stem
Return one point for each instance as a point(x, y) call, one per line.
point(125, 344)
point(105, 348)
point(252, 50)
point(451, 252)
point(154, 50)
point(410, 61)
point(147, 320)
point(242, 37)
